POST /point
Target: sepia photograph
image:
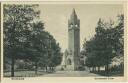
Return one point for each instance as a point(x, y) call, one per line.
point(63, 40)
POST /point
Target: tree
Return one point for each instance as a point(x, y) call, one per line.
point(105, 45)
point(46, 52)
point(37, 43)
point(103, 42)
point(99, 48)
point(17, 28)
point(53, 53)
point(117, 36)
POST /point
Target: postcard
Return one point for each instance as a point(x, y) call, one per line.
point(63, 41)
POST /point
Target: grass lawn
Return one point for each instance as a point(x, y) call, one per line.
point(25, 73)
point(112, 74)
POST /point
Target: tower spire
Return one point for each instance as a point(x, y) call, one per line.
point(74, 12)
point(73, 15)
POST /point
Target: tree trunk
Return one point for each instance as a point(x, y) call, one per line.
point(46, 68)
point(93, 69)
point(36, 67)
point(98, 68)
point(89, 68)
point(12, 66)
point(50, 69)
point(106, 69)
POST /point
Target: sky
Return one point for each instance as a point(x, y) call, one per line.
point(55, 17)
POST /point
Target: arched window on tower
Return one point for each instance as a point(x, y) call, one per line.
point(69, 62)
point(70, 52)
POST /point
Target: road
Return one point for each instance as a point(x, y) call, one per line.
point(70, 74)
point(54, 74)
